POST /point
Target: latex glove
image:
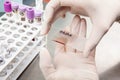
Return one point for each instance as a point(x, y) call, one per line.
point(102, 14)
point(69, 63)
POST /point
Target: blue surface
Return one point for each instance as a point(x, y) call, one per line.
point(1, 5)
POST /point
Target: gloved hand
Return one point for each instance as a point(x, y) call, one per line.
point(69, 63)
point(102, 14)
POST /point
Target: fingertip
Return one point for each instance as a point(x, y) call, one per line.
point(45, 29)
point(83, 19)
point(76, 17)
point(75, 24)
point(83, 22)
point(83, 28)
point(43, 32)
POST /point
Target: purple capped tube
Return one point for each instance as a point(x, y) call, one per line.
point(15, 7)
point(8, 8)
point(30, 15)
point(22, 10)
point(38, 15)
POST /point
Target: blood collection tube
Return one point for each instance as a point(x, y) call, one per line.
point(30, 15)
point(22, 10)
point(38, 19)
point(15, 7)
point(8, 8)
point(38, 15)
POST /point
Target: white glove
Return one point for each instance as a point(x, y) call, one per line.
point(69, 63)
point(102, 14)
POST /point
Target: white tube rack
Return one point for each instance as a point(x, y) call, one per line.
point(19, 36)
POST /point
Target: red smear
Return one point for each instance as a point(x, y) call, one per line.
point(59, 42)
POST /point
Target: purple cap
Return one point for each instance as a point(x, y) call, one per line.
point(30, 13)
point(15, 6)
point(7, 6)
point(38, 13)
point(22, 8)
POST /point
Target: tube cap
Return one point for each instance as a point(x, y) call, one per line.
point(38, 13)
point(15, 6)
point(30, 13)
point(7, 6)
point(22, 8)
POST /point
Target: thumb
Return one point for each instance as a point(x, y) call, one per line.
point(101, 24)
point(95, 37)
point(46, 63)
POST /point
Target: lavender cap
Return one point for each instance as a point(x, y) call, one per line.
point(7, 6)
point(15, 6)
point(22, 8)
point(30, 13)
point(38, 13)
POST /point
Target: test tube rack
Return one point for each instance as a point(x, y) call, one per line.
point(20, 42)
